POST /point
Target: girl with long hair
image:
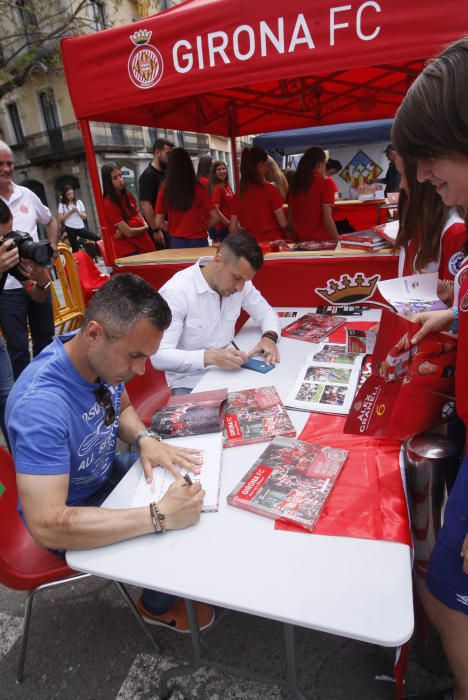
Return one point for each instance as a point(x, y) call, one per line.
point(221, 196)
point(431, 236)
point(276, 177)
point(431, 126)
point(72, 215)
point(123, 216)
point(311, 199)
point(183, 206)
point(258, 207)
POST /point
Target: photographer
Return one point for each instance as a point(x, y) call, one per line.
point(20, 305)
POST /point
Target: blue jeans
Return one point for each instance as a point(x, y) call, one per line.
point(16, 309)
point(6, 383)
point(154, 601)
point(188, 242)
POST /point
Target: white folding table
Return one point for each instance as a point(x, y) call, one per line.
point(346, 586)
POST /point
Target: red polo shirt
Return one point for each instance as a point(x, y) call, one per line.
point(306, 209)
point(127, 246)
point(255, 210)
point(222, 196)
point(190, 223)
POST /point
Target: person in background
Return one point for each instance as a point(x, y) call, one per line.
point(72, 215)
point(258, 207)
point(431, 236)
point(275, 176)
point(206, 300)
point(392, 176)
point(221, 196)
point(311, 199)
point(331, 168)
point(183, 206)
point(149, 183)
point(203, 171)
point(124, 220)
point(18, 309)
point(431, 126)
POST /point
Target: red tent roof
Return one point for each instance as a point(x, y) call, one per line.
point(249, 66)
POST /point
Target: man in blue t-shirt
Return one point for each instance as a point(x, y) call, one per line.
point(63, 417)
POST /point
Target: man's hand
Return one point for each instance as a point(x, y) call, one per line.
point(9, 256)
point(268, 349)
point(431, 322)
point(464, 554)
point(33, 271)
point(181, 504)
point(158, 237)
point(154, 453)
point(227, 358)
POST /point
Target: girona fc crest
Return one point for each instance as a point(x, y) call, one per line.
point(145, 65)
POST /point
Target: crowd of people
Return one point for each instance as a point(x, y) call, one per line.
point(67, 459)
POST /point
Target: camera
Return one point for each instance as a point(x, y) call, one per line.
point(40, 252)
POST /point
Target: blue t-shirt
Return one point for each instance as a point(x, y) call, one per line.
point(56, 426)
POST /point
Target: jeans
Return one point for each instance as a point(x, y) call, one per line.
point(188, 242)
point(16, 309)
point(153, 601)
point(74, 233)
point(6, 383)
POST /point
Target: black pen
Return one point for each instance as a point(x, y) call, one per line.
point(236, 346)
point(188, 479)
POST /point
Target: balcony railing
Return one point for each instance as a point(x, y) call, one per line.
point(54, 143)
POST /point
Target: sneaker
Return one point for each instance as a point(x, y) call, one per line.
point(176, 617)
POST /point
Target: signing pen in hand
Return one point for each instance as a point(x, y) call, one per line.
point(236, 346)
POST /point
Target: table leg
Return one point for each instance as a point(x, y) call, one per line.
point(290, 648)
point(129, 600)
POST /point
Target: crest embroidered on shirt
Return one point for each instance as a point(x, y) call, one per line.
point(463, 599)
point(24, 209)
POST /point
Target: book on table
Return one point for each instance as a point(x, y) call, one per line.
point(255, 415)
point(191, 414)
point(328, 380)
point(413, 293)
point(312, 328)
point(208, 474)
point(411, 387)
point(290, 480)
point(363, 240)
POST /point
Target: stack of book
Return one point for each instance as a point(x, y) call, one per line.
point(363, 240)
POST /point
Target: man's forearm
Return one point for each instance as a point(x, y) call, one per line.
point(52, 232)
point(129, 425)
point(148, 213)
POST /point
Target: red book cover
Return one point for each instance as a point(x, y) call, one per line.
point(411, 387)
point(312, 327)
point(365, 246)
point(290, 480)
point(255, 415)
point(364, 237)
point(191, 414)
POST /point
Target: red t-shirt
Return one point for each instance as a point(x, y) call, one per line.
point(222, 196)
point(127, 246)
point(306, 209)
point(255, 210)
point(451, 251)
point(333, 184)
point(190, 223)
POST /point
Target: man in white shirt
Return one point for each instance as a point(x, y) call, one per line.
point(16, 306)
point(206, 300)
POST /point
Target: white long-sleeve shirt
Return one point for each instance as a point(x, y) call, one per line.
point(201, 321)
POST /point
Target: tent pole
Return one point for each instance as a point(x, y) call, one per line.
point(96, 185)
point(235, 164)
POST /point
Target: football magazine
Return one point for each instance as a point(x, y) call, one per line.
point(412, 293)
point(290, 480)
point(411, 387)
point(255, 415)
point(328, 380)
point(191, 414)
point(312, 328)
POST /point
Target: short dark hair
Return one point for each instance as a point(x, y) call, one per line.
point(159, 144)
point(243, 245)
point(333, 164)
point(124, 300)
point(5, 212)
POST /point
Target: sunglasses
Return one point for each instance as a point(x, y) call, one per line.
point(104, 399)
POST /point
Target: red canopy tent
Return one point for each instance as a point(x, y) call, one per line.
point(234, 67)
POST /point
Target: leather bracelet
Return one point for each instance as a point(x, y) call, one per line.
point(158, 519)
point(271, 335)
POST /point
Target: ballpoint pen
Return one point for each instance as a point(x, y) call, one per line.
point(188, 479)
point(236, 346)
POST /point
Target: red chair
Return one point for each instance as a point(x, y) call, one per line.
point(90, 276)
point(148, 392)
point(24, 566)
point(102, 253)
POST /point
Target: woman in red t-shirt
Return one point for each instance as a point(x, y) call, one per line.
point(221, 196)
point(311, 199)
point(130, 232)
point(258, 208)
point(183, 206)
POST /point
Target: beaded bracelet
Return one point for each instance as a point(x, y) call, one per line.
point(271, 335)
point(158, 519)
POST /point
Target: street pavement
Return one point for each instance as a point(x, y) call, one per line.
point(85, 644)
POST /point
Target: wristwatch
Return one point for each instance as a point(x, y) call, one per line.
point(146, 433)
